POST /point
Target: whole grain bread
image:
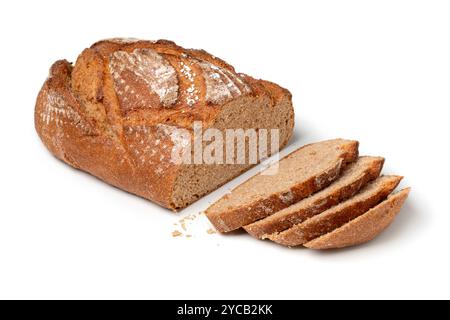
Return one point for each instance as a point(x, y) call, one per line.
point(118, 111)
point(365, 227)
point(300, 174)
point(333, 218)
point(353, 178)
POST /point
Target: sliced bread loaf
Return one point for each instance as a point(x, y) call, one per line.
point(300, 174)
point(365, 227)
point(354, 177)
point(339, 215)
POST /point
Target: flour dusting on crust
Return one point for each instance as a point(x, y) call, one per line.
point(123, 40)
point(57, 111)
point(217, 91)
point(179, 136)
point(192, 93)
point(221, 84)
point(149, 67)
point(145, 67)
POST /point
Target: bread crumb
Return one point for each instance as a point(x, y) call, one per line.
point(211, 231)
point(176, 233)
point(189, 217)
point(182, 222)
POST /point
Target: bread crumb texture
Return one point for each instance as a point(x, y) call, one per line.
point(347, 204)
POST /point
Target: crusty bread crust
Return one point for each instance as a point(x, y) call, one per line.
point(364, 228)
point(101, 117)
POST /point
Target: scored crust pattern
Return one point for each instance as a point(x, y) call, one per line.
point(56, 110)
point(192, 92)
point(116, 112)
point(221, 84)
point(146, 67)
point(145, 78)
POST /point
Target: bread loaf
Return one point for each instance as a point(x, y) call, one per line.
point(117, 114)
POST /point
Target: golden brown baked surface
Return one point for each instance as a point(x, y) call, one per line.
point(115, 114)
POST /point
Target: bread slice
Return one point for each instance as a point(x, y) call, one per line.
point(339, 215)
point(365, 227)
point(300, 174)
point(356, 176)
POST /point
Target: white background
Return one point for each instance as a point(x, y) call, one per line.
point(375, 71)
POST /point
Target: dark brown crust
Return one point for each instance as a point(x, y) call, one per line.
point(364, 228)
point(85, 148)
point(82, 123)
point(279, 222)
point(230, 220)
point(333, 218)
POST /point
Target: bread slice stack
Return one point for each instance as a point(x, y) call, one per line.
point(323, 196)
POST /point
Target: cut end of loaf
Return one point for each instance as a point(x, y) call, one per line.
point(196, 180)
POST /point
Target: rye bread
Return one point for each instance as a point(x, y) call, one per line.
point(333, 218)
point(300, 174)
point(353, 178)
point(365, 227)
point(121, 110)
